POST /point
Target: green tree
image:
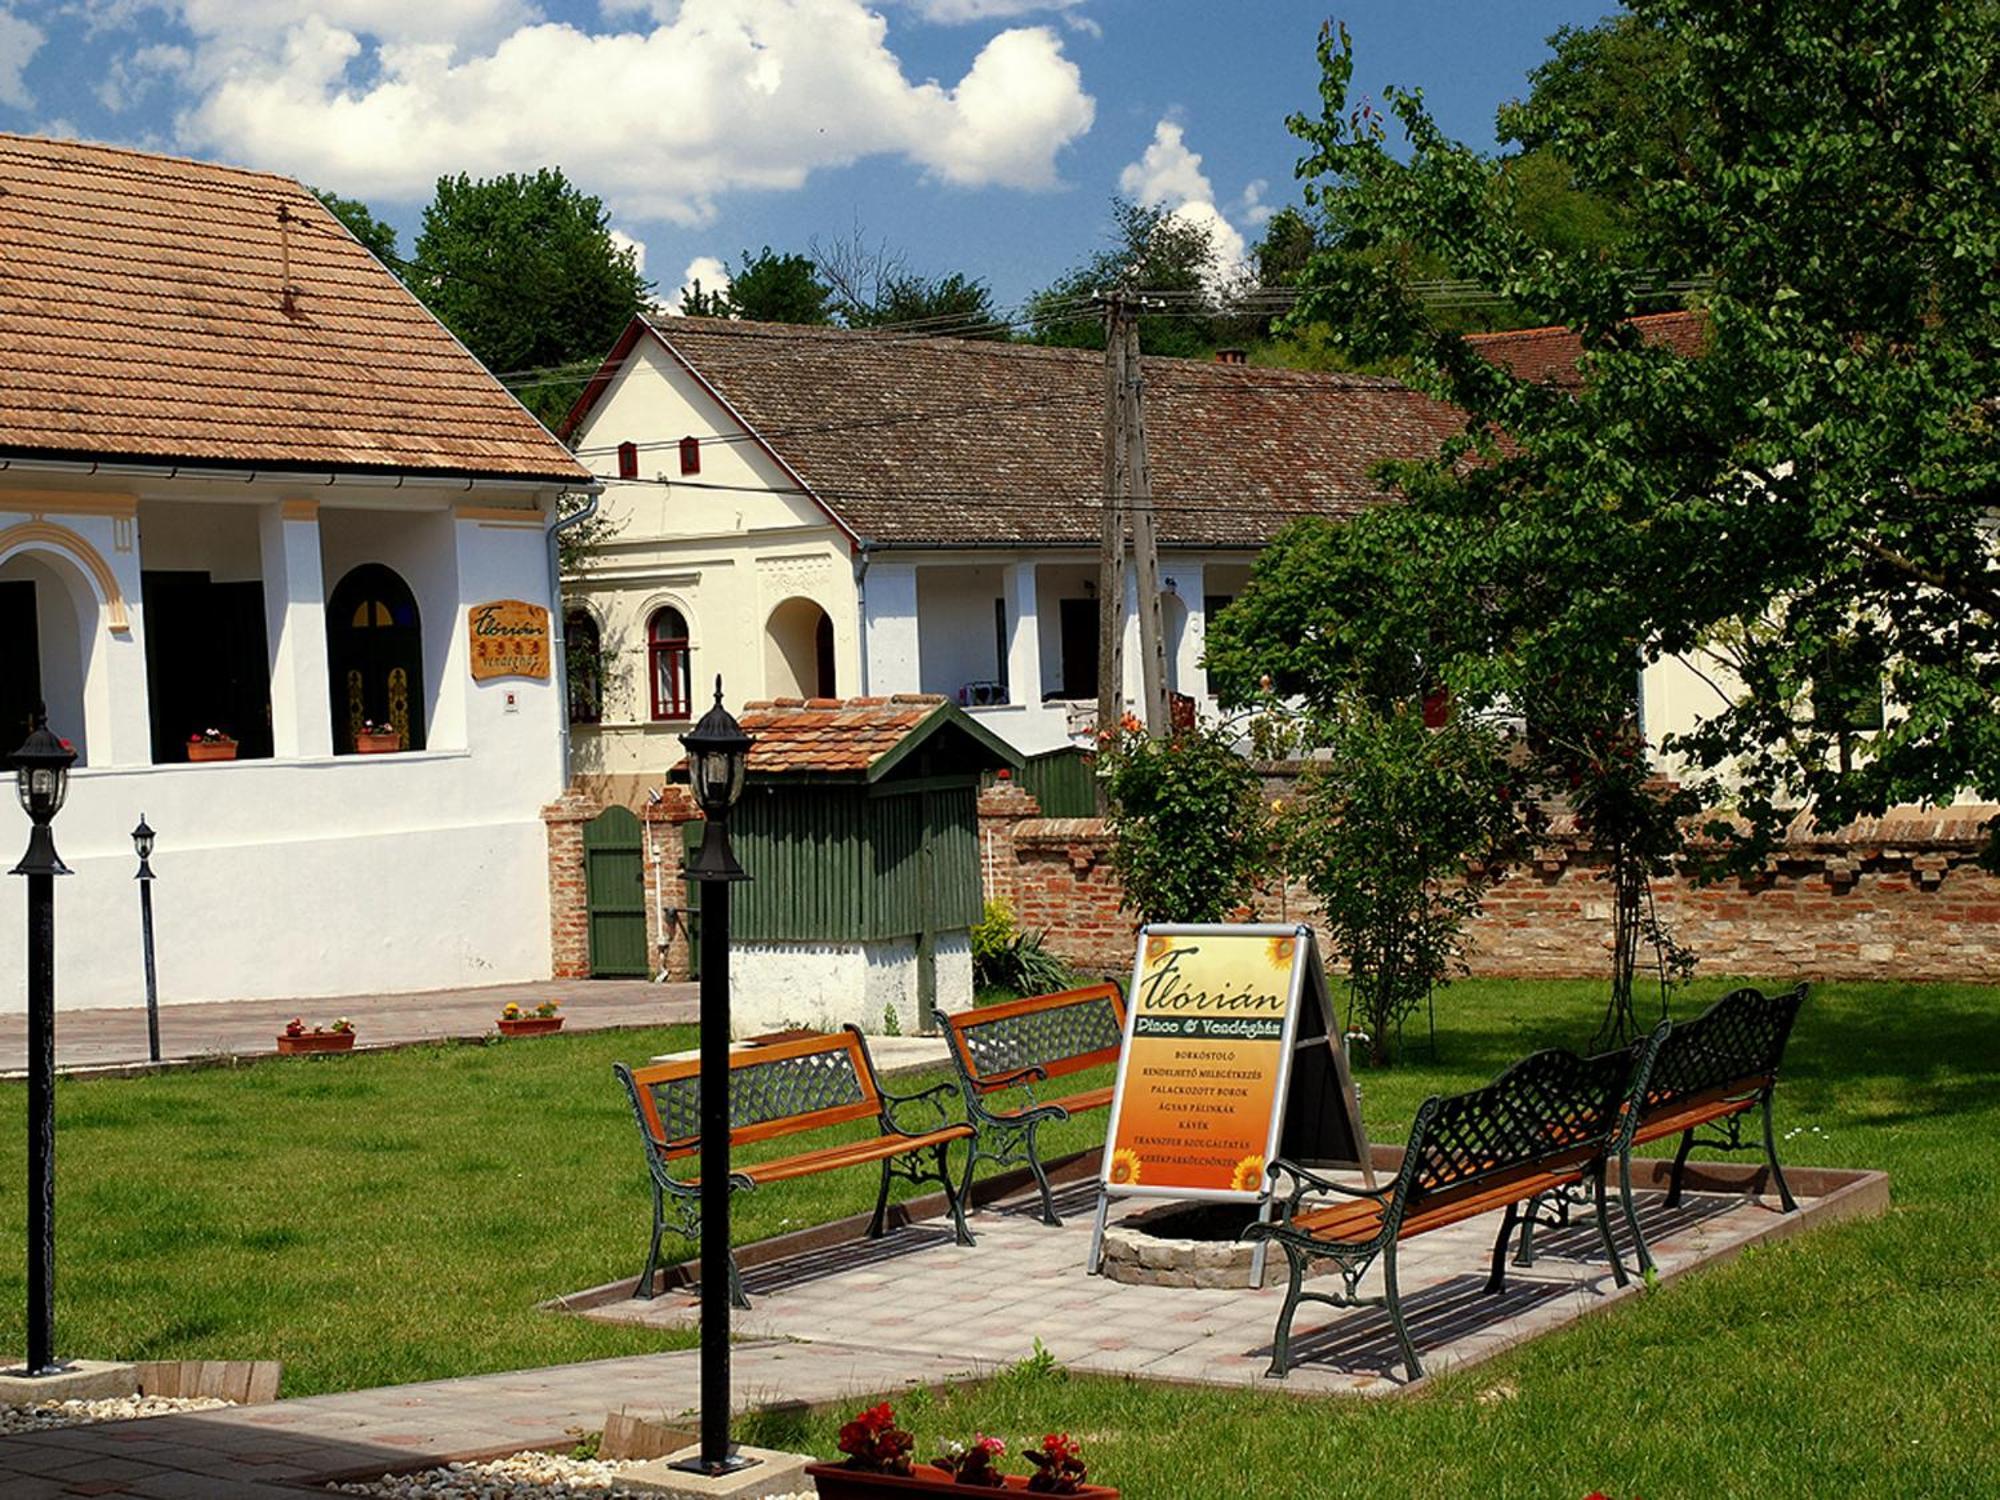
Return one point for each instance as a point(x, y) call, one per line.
point(376, 236)
point(773, 288)
point(524, 270)
point(1153, 252)
point(1191, 837)
point(1816, 486)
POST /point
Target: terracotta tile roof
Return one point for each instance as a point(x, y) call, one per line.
point(830, 734)
point(142, 317)
point(1551, 355)
point(1006, 446)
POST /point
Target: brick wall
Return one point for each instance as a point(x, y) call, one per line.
point(1900, 897)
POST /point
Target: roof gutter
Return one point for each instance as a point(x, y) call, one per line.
point(558, 524)
point(389, 479)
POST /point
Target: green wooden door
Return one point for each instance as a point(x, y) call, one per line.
point(691, 835)
point(614, 884)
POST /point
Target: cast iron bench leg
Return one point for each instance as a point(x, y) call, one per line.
point(1646, 1266)
point(1281, 1340)
point(1771, 1151)
point(1524, 1248)
point(942, 1154)
point(1049, 1215)
point(971, 1166)
point(876, 1224)
point(1497, 1282)
point(1394, 1302)
point(645, 1287)
point(1618, 1275)
point(1680, 1167)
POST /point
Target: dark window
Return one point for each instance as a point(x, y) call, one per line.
point(583, 654)
point(668, 665)
point(1079, 648)
point(823, 656)
point(20, 651)
point(206, 663)
point(375, 657)
point(1000, 647)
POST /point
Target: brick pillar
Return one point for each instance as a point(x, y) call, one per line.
point(1003, 807)
point(665, 869)
point(569, 906)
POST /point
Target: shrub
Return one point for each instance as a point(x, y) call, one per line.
point(1005, 958)
point(1191, 835)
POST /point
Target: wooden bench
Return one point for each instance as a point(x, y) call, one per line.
point(1543, 1125)
point(780, 1089)
point(1710, 1073)
point(1005, 1050)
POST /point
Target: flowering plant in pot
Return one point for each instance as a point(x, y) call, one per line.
point(537, 1021)
point(211, 744)
point(336, 1036)
point(376, 739)
point(878, 1465)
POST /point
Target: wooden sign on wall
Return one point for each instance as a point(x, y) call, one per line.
point(510, 638)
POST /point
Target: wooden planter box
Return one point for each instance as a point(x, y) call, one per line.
point(377, 744)
point(838, 1482)
point(530, 1025)
point(197, 750)
point(315, 1041)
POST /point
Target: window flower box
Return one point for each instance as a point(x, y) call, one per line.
point(529, 1025)
point(377, 739)
point(199, 749)
point(297, 1039)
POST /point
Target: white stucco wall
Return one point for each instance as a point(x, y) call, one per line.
point(774, 985)
point(306, 875)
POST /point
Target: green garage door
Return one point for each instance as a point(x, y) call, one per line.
point(614, 883)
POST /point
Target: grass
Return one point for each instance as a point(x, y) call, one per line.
point(392, 1217)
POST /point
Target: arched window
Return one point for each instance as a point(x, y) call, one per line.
point(583, 654)
point(668, 664)
point(374, 649)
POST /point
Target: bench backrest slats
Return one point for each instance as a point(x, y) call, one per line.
point(1549, 1111)
point(1733, 1046)
point(785, 1088)
point(1066, 1032)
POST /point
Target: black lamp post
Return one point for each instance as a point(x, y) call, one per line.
point(142, 843)
point(718, 754)
point(41, 768)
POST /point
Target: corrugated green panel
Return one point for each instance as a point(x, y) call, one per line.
point(803, 847)
point(614, 883)
point(1063, 782)
point(951, 844)
point(895, 864)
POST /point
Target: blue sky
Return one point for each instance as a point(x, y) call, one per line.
point(978, 135)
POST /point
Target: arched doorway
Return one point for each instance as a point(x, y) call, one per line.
point(375, 657)
point(798, 652)
point(47, 614)
point(1173, 634)
point(583, 661)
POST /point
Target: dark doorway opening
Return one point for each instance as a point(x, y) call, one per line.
point(1079, 648)
point(375, 657)
point(207, 664)
point(21, 653)
point(823, 657)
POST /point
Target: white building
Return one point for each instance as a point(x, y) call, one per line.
point(248, 484)
point(817, 512)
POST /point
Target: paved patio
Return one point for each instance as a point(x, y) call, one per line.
point(918, 1292)
point(114, 1037)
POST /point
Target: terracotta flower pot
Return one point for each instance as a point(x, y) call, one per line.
point(530, 1025)
point(377, 744)
point(838, 1482)
point(204, 750)
point(315, 1041)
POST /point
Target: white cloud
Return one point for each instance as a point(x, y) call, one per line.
point(710, 272)
point(620, 240)
point(129, 79)
point(1253, 207)
point(715, 96)
point(19, 42)
point(1169, 176)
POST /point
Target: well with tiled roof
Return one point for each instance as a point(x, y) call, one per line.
point(1553, 356)
point(964, 442)
point(155, 309)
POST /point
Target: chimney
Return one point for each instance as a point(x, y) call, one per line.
point(1232, 356)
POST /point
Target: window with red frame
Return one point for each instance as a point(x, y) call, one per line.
point(667, 657)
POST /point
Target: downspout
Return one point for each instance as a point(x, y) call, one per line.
point(559, 524)
point(861, 551)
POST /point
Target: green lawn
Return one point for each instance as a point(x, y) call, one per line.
point(395, 1217)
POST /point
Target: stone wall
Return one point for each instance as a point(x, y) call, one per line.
point(1899, 897)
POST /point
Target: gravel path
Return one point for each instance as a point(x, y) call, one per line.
point(525, 1476)
point(43, 1416)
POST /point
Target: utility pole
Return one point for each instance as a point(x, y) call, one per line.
point(1128, 494)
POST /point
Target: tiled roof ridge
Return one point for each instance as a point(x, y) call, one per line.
point(750, 330)
point(131, 159)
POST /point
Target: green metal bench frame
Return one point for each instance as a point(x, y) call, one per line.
point(1553, 1114)
point(786, 1088)
point(1011, 1047)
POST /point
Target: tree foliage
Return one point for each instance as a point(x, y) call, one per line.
point(1152, 251)
point(524, 270)
point(1191, 836)
point(772, 288)
point(376, 235)
point(1807, 502)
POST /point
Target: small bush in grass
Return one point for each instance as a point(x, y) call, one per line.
point(1007, 959)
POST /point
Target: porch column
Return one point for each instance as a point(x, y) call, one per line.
point(889, 625)
point(1024, 637)
point(295, 627)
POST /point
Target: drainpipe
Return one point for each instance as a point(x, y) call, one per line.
point(861, 551)
point(558, 524)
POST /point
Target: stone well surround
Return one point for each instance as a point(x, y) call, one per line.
point(1901, 897)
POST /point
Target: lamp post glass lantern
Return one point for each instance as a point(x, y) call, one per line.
point(142, 844)
point(41, 771)
point(718, 757)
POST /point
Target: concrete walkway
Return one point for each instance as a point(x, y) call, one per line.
point(94, 1040)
